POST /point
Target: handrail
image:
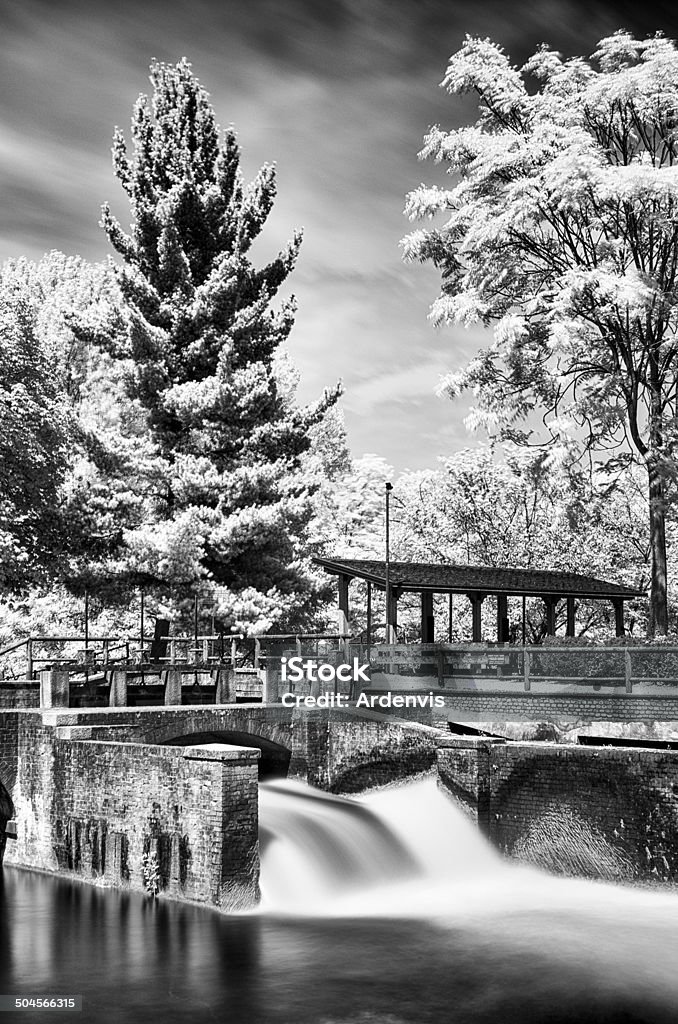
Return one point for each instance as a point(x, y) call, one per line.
point(14, 647)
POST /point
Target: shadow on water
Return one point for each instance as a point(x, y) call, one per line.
point(470, 940)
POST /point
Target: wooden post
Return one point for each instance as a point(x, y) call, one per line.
point(551, 603)
point(117, 694)
point(343, 582)
point(234, 653)
point(502, 618)
point(524, 620)
point(142, 633)
point(173, 686)
point(440, 658)
point(195, 624)
point(29, 658)
point(392, 616)
point(618, 603)
point(225, 680)
point(54, 688)
point(270, 680)
point(526, 667)
point(369, 613)
point(627, 671)
point(476, 600)
point(570, 617)
point(427, 621)
point(451, 618)
point(390, 625)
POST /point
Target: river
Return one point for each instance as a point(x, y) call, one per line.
point(387, 910)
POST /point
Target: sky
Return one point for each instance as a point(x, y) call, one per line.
point(339, 94)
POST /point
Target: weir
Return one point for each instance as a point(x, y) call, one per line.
point(97, 793)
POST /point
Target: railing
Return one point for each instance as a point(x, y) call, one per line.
point(641, 670)
point(106, 669)
point(80, 655)
point(271, 647)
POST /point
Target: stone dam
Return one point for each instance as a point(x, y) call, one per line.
point(102, 794)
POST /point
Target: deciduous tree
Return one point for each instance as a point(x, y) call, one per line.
point(562, 231)
point(35, 432)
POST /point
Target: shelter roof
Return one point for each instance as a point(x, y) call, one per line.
point(462, 579)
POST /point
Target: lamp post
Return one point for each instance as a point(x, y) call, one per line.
point(390, 632)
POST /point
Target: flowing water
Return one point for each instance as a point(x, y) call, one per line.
point(386, 910)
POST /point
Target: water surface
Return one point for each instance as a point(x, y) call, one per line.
point(399, 914)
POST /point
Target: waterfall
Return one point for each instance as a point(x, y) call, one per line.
point(322, 853)
point(408, 851)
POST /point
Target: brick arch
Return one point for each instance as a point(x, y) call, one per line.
point(196, 722)
point(379, 770)
point(274, 760)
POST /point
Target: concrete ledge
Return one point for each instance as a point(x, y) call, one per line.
point(74, 732)
point(472, 742)
point(219, 752)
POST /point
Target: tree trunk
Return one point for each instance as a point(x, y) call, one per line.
point(659, 618)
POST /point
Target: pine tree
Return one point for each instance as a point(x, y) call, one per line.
point(233, 499)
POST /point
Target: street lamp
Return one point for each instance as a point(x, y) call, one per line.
point(390, 632)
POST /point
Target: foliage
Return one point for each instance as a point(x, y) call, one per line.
point(561, 231)
point(74, 310)
point(229, 490)
point(35, 431)
point(150, 870)
point(349, 520)
point(514, 507)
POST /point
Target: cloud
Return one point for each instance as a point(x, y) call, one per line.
point(340, 95)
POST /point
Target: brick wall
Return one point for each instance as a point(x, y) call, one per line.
point(370, 749)
point(542, 707)
point(598, 811)
point(12, 724)
point(94, 809)
point(21, 694)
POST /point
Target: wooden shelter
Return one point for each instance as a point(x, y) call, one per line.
point(477, 583)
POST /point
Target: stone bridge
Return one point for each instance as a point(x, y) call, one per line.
point(98, 792)
point(339, 750)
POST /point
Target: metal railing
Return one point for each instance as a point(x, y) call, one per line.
point(642, 669)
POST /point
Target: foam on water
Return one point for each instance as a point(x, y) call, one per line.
point(409, 851)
